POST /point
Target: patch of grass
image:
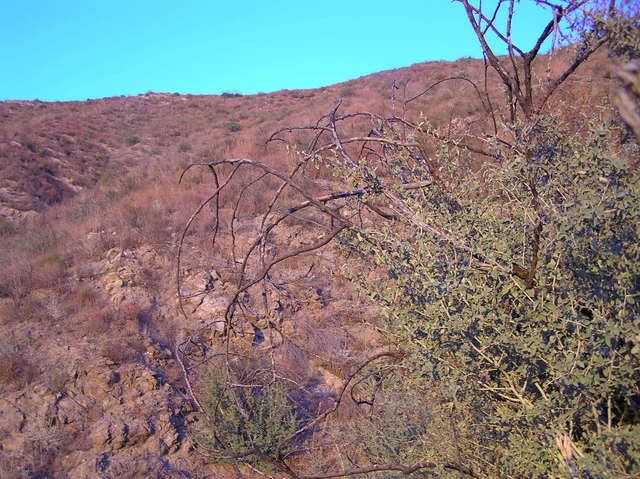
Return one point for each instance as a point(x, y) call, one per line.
point(133, 140)
point(233, 126)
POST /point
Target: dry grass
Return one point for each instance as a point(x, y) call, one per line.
point(17, 370)
point(131, 197)
point(121, 353)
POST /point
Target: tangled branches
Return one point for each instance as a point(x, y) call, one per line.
point(398, 180)
point(374, 189)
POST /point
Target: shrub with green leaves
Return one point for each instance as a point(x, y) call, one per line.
point(245, 411)
point(524, 310)
point(233, 126)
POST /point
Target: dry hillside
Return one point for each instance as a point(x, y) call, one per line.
point(91, 214)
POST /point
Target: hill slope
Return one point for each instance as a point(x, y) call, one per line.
point(90, 217)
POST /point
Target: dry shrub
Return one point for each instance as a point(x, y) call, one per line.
point(97, 243)
point(16, 370)
point(292, 359)
point(94, 321)
point(127, 313)
point(7, 227)
point(31, 310)
point(143, 218)
point(131, 321)
point(49, 269)
point(17, 280)
point(121, 352)
point(86, 296)
point(38, 238)
point(7, 311)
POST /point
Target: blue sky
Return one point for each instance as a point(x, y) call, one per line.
point(74, 50)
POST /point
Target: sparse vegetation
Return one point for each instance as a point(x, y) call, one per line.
point(421, 357)
point(265, 418)
point(233, 126)
point(133, 140)
point(17, 371)
point(347, 91)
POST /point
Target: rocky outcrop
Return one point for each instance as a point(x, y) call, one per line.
point(123, 415)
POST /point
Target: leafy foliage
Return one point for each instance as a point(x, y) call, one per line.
point(506, 269)
point(532, 359)
point(256, 417)
point(133, 140)
point(233, 126)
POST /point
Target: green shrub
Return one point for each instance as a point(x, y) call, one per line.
point(233, 126)
point(528, 319)
point(245, 417)
point(133, 140)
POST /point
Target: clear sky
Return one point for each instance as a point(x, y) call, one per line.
point(79, 49)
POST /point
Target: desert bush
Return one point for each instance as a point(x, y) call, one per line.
point(347, 91)
point(133, 140)
point(7, 228)
point(142, 222)
point(540, 357)
point(94, 321)
point(39, 237)
point(513, 288)
point(17, 370)
point(245, 411)
point(233, 126)
point(121, 352)
point(17, 281)
point(86, 296)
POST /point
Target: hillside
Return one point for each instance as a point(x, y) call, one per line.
point(91, 215)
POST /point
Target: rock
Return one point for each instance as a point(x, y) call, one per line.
point(229, 276)
point(69, 411)
point(114, 253)
point(97, 384)
point(113, 281)
point(111, 435)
